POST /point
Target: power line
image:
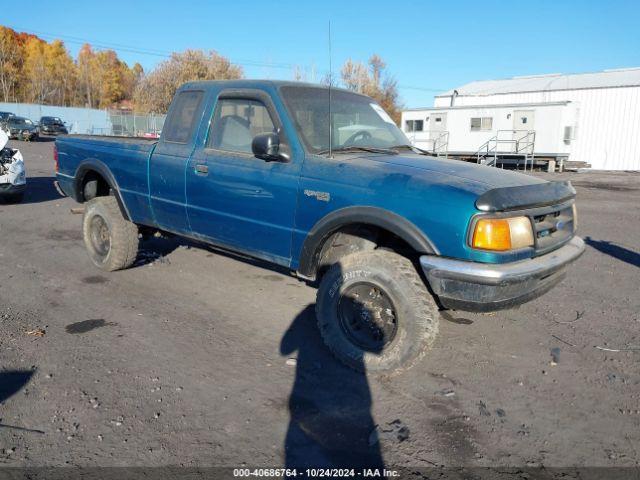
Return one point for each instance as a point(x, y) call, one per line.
point(166, 54)
point(142, 51)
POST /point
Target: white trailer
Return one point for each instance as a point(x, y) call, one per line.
point(588, 119)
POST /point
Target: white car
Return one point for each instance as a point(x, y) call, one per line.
point(13, 178)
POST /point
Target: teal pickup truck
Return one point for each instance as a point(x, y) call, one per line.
point(324, 183)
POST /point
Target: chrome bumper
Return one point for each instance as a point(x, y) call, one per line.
point(485, 287)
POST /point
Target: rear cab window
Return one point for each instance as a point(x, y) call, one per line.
point(182, 121)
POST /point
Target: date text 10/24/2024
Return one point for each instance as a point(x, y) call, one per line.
point(316, 472)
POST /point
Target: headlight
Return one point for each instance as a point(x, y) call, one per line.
point(502, 233)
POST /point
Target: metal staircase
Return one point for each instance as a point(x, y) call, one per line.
point(499, 149)
point(439, 143)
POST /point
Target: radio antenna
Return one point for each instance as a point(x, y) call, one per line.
point(330, 82)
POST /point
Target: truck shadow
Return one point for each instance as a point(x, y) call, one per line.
point(154, 249)
point(615, 251)
point(157, 249)
point(41, 189)
point(12, 381)
point(330, 405)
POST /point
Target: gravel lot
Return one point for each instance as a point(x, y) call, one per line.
point(186, 359)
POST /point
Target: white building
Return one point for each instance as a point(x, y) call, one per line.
point(591, 118)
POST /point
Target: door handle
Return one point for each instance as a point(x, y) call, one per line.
point(202, 169)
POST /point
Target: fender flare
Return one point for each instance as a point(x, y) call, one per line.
point(376, 217)
point(94, 165)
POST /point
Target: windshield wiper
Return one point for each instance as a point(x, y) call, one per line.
point(354, 148)
point(417, 150)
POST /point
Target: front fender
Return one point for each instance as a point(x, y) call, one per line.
point(372, 216)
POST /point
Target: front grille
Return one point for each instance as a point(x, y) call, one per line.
point(552, 228)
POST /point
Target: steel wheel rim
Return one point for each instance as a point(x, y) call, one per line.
point(367, 316)
point(100, 236)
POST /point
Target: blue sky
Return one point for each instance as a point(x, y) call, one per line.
point(429, 46)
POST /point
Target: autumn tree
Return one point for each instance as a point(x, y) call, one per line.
point(10, 63)
point(114, 78)
point(104, 79)
point(87, 77)
point(36, 86)
point(372, 80)
point(35, 71)
point(64, 75)
point(155, 91)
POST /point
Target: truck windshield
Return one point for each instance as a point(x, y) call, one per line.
point(357, 121)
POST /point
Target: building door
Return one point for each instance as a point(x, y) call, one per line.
point(437, 125)
point(523, 122)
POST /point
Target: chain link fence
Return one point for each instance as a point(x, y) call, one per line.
point(129, 124)
point(92, 121)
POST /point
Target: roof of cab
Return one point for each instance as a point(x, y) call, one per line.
point(257, 83)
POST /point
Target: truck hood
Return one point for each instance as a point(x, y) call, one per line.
point(495, 189)
point(485, 178)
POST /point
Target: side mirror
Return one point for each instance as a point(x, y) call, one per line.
point(266, 146)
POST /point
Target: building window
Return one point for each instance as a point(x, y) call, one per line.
point(414, 125)
point(481, 123)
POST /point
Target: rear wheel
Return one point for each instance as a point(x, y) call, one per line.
point(110, 239)
point(374, 311)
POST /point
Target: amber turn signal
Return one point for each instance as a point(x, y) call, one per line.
point(502, 234)
point(492, 234)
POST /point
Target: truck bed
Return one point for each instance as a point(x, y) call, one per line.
point(125, 159)
point(138, 143)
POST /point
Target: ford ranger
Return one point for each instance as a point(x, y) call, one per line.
point(321, 181)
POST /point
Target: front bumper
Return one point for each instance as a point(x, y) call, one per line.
point(484, 287)
point(24, 135)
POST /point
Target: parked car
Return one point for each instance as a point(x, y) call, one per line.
point(13, 178)
point(4, 116)
point(266, 169)
point(22, 128)
point(52, 126)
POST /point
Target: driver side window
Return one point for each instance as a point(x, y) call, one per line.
point(236, 122)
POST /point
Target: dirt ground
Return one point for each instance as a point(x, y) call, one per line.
point(186, 359)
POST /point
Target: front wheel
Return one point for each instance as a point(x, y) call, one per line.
point(110, 239)
point(374, 311)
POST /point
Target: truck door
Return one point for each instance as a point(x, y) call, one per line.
point(234, 198)
point(168, 162)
